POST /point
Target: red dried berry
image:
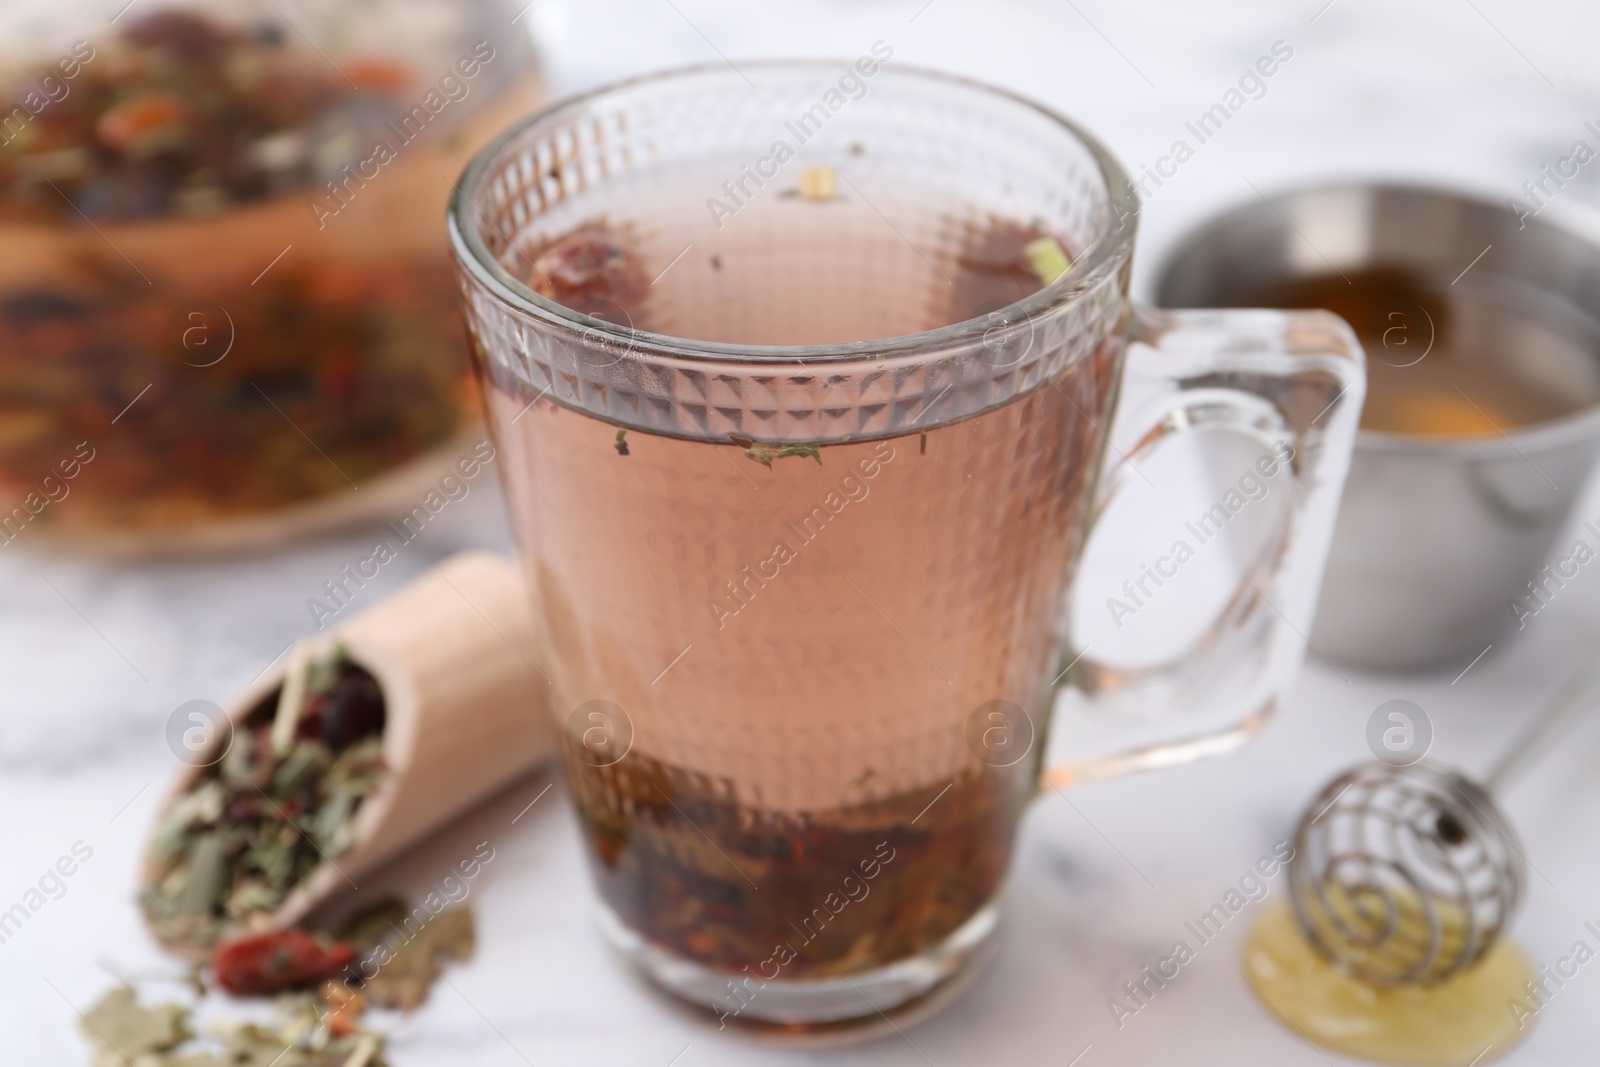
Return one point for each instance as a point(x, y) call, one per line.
point(279, 960)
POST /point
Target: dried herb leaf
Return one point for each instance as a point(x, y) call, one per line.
point(323, 673)
point(811, 451)
point(304, 759)
point(765, 454)
point(122, 1031)
point(374, 925)
point(199, 808)
point(239, 763)
point(204, 881)
point(403, 982)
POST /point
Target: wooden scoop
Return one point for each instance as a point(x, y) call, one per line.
point(466, 715)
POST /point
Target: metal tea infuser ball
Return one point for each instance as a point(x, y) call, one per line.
point(1408, 875)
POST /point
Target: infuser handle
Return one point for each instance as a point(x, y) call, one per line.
point(1575, 696)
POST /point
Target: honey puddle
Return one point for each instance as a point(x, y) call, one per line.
point(1463, 1020)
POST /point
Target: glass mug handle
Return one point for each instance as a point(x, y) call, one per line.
point(1293, 382)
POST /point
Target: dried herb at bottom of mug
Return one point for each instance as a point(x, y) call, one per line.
point(840, 892)
point(279, 803)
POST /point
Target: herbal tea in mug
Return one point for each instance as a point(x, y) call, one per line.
point(801, 393)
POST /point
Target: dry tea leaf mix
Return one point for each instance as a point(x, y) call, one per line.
point(278, 804)
point(124, 1033)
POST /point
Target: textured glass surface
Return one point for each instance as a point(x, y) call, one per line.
point(925, 160)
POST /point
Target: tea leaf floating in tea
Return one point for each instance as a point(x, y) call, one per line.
point(1048, 259)
point(818, 183)
point(765, 454)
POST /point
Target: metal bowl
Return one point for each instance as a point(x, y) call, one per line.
point(1444, 543)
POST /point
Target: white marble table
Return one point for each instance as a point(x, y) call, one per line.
point(94, 657)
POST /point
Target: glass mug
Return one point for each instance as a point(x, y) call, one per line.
point(800, 512)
